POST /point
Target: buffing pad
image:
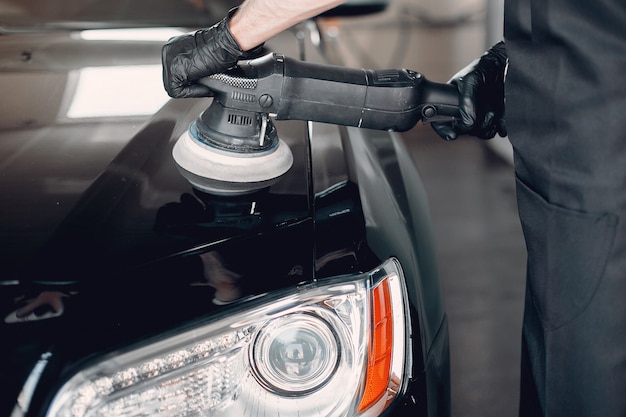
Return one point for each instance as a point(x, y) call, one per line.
point(226, 163)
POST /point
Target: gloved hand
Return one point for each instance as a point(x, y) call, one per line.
point(481, 98)
point(189, 57)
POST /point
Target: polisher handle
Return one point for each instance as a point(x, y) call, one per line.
point(295, 90)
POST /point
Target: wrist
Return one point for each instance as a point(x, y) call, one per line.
point(241, 32)
point(498, 51)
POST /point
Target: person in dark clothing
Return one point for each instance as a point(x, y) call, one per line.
point(565, 108)
point(560, 68)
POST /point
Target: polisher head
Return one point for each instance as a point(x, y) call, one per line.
point(231, 152)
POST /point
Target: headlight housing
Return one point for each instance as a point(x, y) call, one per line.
point(333, 348)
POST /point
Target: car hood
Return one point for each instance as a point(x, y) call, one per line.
point(93, 202)
point(88, 181)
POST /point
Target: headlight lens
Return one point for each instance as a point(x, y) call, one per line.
point(335, 349)
point(295, 354)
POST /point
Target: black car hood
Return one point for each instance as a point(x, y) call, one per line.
point(95, 204)
point(86, 197)
point(141, 210)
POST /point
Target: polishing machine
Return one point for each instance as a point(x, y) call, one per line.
point(233, 146)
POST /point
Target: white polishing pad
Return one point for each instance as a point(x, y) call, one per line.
point(206, 167)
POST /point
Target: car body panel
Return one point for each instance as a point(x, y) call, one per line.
point(96, 210)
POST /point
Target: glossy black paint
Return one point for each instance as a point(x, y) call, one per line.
point(95, 208)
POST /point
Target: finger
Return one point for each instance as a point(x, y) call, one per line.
point(193, 90)
point(502, 127)
point(487, 123)
point(468, 90)
point(445, 131)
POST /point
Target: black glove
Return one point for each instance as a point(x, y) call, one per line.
point(187, 58)
point(481, 98)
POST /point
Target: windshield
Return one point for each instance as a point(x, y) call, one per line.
point(92, 14)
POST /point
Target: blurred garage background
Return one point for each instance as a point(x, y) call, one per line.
point(470, 185)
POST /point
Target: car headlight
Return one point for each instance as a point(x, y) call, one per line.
point(337, 348)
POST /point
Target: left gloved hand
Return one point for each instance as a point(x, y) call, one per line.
point(481, 98)
point(189, 57)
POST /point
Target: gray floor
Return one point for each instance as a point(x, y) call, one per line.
point(482, 263)
point(472, 197)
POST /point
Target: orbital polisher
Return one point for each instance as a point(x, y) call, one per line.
point(233, 147)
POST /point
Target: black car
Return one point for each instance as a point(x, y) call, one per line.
point(125, 291)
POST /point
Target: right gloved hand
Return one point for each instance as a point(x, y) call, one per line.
point(481, 98)
point(189, 57)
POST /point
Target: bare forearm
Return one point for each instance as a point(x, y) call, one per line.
point(258, 20)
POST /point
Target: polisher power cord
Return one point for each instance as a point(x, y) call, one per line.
point(288, 89)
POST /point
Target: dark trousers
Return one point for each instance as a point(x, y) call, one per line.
point(574, 332)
